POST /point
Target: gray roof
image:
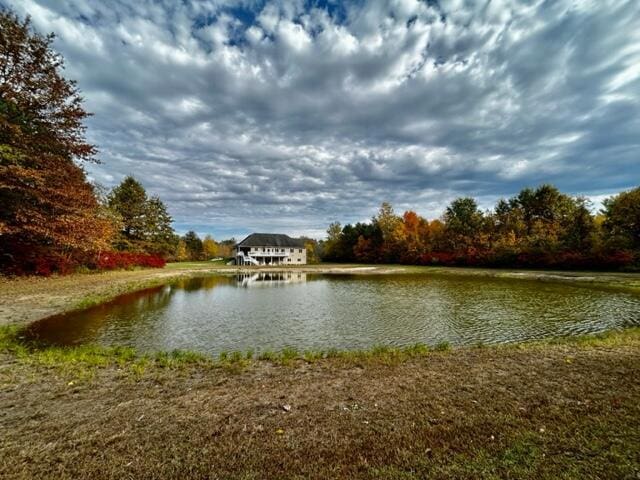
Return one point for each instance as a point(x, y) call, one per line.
point(270, 240)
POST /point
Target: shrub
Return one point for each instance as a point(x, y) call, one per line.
point(119, 260)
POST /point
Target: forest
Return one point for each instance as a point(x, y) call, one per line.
point(537, 228)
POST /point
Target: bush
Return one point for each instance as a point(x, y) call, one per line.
point(36, 260)
point(120, 260)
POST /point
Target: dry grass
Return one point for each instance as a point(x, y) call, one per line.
point(569, 410)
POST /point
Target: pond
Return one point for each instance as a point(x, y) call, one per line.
point(270, 311)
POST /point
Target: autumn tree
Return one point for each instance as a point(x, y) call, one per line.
point(538, 227)
point(622, 219)
point(209, 247)
point(416, 235)
point(225, 247)
point(181, 254)
point(545, 220)
point(332, 243)
point(390, 226)
point(48, 207)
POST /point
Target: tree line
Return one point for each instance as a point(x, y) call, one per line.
point(538, 227)
point(144, 225)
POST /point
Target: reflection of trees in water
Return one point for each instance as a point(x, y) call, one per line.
point(269, 278)
point(121, 313)
point(202, 283)
point(84, 326)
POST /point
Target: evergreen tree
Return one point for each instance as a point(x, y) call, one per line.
point(145, 222)
point(194, 246)
point(161, 237)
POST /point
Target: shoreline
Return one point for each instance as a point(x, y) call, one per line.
point(28, 299)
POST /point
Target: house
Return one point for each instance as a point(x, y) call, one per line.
point(270, 249)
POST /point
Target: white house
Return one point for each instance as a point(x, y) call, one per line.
point(270, 249)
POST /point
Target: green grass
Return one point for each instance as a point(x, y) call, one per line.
point(195, 265)
point(95, 356)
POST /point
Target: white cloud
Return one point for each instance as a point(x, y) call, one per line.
point(285, 118)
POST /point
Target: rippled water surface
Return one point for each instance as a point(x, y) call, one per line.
point(271, 311)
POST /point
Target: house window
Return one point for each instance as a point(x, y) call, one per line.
point(299, 260)
point(291, 250)
point(300, 251)
point(288, 260)
point(282, 250)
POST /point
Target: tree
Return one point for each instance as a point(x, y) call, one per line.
point(416, 236)
point(540, 227)
point(390, 226)
point(580, 227)
point(161, 238)
point(312, 248)
point(129, 201)
point(225, 247)
point(622, 219)
point(194, 246)
point(145, 222)
point(209, 247)
point(550, 220)
point(463, 222)
point(182, 255)
point(331, 245)
point(48, 207)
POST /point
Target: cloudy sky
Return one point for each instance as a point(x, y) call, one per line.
point(285, 116)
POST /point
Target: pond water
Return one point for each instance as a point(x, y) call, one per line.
point(270, 311)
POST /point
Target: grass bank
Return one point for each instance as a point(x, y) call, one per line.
point(563, 409)
point(85, 359)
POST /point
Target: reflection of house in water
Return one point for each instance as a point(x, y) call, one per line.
point(270, 249)
point(269, 279)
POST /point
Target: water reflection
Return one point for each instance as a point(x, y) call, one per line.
point(216, 313)
point(264, 279)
